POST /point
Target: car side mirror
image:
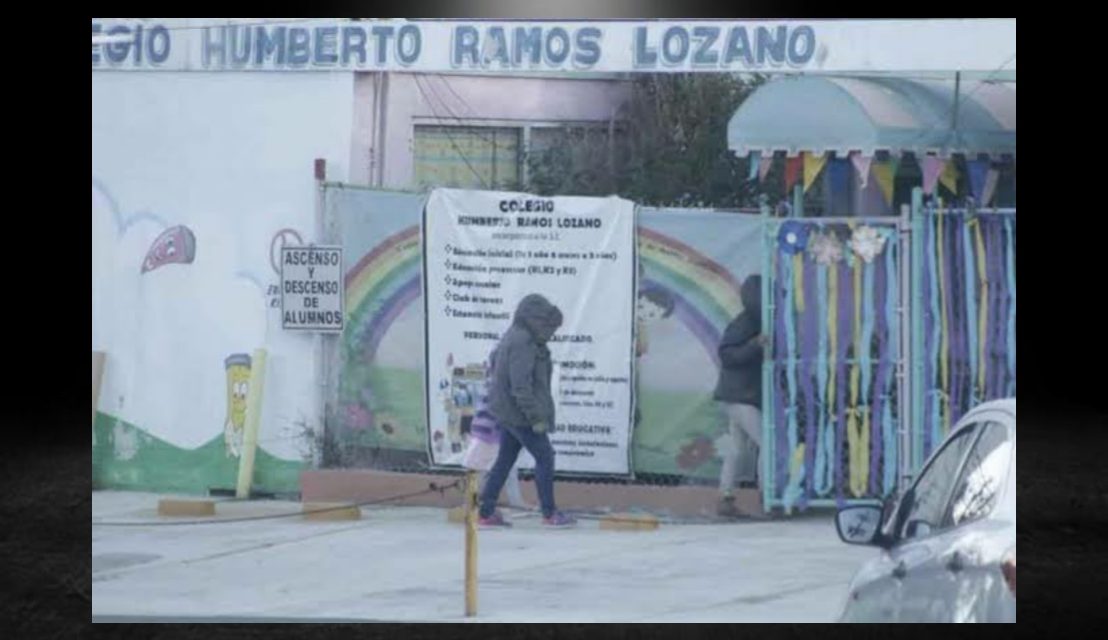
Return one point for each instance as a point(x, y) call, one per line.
point(859, 524)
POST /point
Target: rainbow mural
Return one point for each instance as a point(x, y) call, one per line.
point(385, 281)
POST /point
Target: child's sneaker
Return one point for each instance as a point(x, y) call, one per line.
point(495, 521)
point(559, 520)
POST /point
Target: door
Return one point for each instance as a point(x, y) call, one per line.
point(949, 581)
point(918, 528)
point(965, 583)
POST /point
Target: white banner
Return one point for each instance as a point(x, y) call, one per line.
point(651, 46)
point(483, 252)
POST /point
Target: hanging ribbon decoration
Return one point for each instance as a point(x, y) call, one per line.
point(983, 311)
point(855, 451)
point(861, 167)
point(970, 294)
point(798, 281)
point(813, 165)
point(862, 355)
point(1010, 245)
point(825, 442)
point(755, 157)
point(833, 330)
point(893, 327)
point(933, 329)
point(944, 334)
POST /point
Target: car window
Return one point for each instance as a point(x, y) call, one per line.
point(925, 507)
point(978, 488)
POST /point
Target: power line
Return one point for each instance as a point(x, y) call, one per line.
point(449, 137)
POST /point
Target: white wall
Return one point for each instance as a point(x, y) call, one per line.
point(403, 102)
point(230, 156)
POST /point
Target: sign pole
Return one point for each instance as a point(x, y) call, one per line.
point(471, 543)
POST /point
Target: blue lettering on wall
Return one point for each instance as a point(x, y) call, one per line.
point(588, 47)
point(738, 47)
point(557, 46)
point(268, 41)
point(96, 29)
point(117, 51)
point(157, 44)
point(382, 35)
point(681, 37)
point(642, 55)
point(409, 43)
point(326, 45)
point(299, 49)
point(705, 38)
point(240, 54)
point(353, 40)
point(465, 46)
point(772, 43)
point(802, 45)
point(212, 47)
point(499, 52)
point(527, 41)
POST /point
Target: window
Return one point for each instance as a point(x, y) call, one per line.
point(986, 470)
point(925, 507)
point(467, 157)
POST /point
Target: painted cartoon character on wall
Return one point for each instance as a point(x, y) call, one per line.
point(238, 384)
point(176, 245)
point(652, 305)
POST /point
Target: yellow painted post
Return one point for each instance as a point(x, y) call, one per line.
point(98, 358)
point(253, 419)
point(471, 543)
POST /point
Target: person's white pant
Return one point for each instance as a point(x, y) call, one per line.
point(745, 424)
point(512, 486)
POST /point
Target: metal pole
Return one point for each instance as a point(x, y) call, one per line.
point(471, 543)
point(767, 453)
point(320, 175)
point(904, 375)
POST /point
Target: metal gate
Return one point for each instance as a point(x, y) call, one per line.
point(834, 378)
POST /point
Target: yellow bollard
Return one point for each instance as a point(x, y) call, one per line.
point(253, 419)
point(98, 358)
point(471, 543)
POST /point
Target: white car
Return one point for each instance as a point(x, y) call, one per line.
point(948, 545)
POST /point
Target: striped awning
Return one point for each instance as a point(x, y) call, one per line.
point(818, 114)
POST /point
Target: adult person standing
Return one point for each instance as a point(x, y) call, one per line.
point(740, 386)
point(520, 399)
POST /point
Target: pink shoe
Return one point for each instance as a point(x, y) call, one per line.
point(495, 521)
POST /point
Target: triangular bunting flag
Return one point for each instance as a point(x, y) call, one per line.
point(764, 165)
point(861, 167)
point(793, 167)
point(838, 176)
point(884, 172)
point(813, 164)
point(990, 186)
point(932, 168)
point(978, 172)
point(755, 156)
point(949, 177)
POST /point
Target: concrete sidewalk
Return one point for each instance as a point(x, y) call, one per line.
point(406, 564)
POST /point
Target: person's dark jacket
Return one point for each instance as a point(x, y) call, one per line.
point(740, 353)
point(519, 392)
